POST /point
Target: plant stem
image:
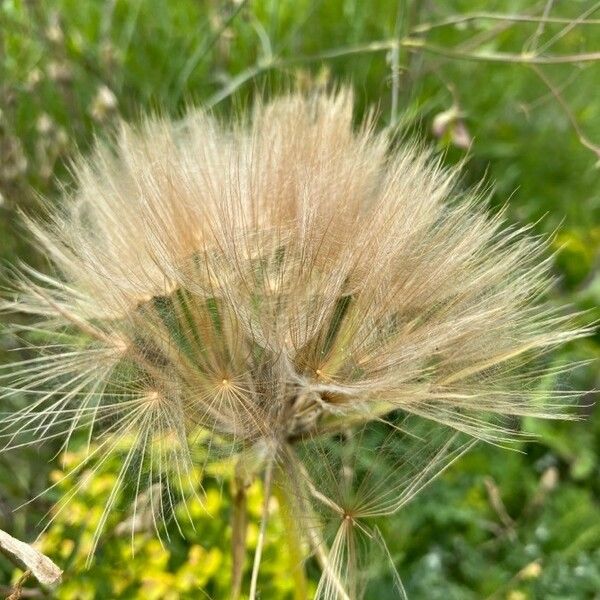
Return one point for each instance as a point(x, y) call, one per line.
point(294, 542)
point(267, 485)
point(17, 590)
point(239, 524)
point(316, 542)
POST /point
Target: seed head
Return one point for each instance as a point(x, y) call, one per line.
point(255, 286)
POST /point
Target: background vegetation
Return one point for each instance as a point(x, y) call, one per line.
point(511, 92)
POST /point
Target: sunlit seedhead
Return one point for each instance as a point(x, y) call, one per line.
point(232, 291)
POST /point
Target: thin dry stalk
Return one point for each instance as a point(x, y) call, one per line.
point(267, 488)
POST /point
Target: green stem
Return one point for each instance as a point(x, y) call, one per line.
point(314, 538)
point(293, 539)
point(239, 525)
point(267, 485)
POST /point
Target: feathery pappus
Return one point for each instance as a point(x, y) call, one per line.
point(265, 288)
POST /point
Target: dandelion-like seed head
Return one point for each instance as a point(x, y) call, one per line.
point(251, 288)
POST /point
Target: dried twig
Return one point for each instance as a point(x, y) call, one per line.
point(412, 44)
point(490, 16)
point(27, 557)
point(17, 589)
point(502, 57)
point(570, 26)
point(497, 504)
point(8, 592)
point(585, 141)
point(532, 44)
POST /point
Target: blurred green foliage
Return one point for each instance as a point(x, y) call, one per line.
point(501, 524)
point(191, 553)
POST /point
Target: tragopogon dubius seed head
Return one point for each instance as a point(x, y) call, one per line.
point(248, 287)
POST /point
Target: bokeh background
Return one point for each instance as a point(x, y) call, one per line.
point(509, 88)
